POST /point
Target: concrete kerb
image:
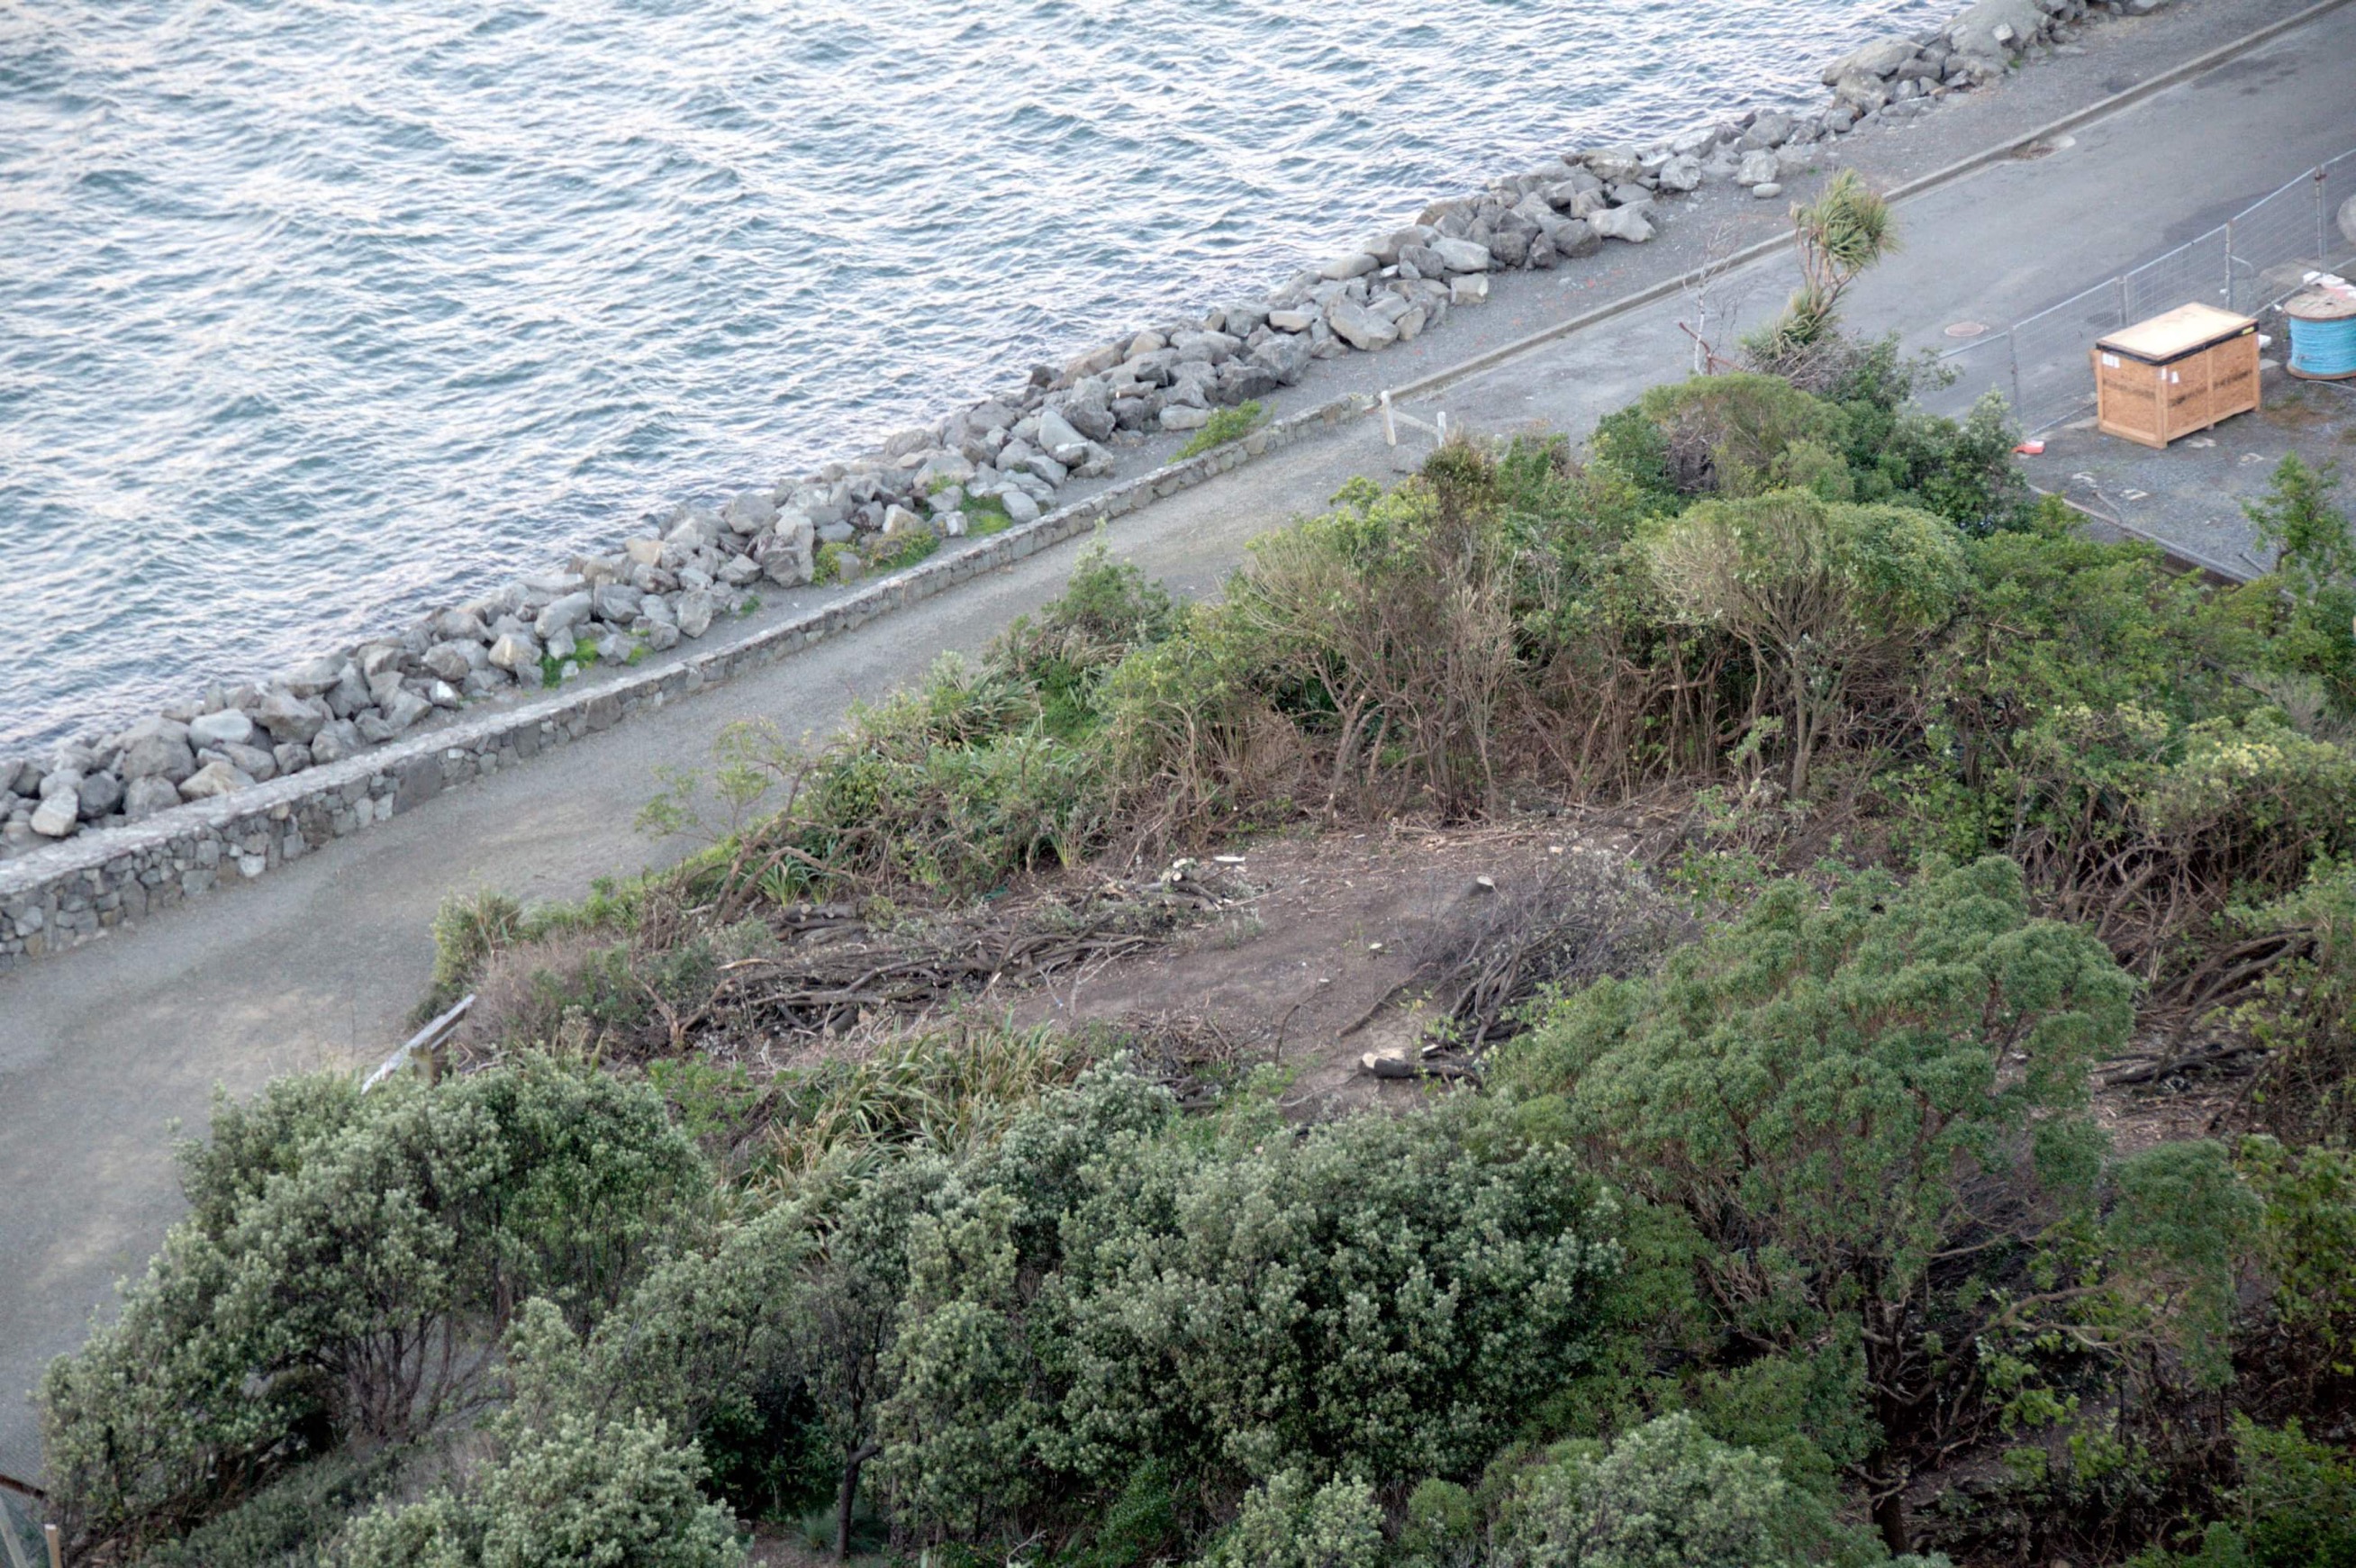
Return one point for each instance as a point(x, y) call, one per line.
point(79, 888)
point(61, 897)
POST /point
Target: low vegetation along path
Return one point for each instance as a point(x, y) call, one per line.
point(105, 1049)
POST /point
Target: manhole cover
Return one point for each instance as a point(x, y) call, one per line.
point(1966, 330)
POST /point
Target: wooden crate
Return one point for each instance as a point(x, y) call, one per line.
point(2175, 374)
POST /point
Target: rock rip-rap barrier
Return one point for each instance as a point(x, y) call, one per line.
point(70, 892)
point(998, 464)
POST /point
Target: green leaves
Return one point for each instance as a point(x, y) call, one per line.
point(1664, 1496)
point(345, 1264)
point(1821, 1066)
point(619, 1495)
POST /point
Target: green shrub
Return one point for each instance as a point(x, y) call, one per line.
point(1225, 426)
point(836, 564)
point(1811, 590)
point(1811, 1087)
point(291, 1524)
point(2308, 1240)
point(891, 555)
point(1385, 1297)
point(1667, 1495)
point(467, 929)
point(344, 1259)
point(1289, 1523)
point(1140, 1526)
point(2295, 1507)
point(1723, 435)
point(1442, 1528)
point(2308, 601)
point(620, 1495)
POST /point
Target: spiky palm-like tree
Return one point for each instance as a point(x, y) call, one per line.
point(1844, 231)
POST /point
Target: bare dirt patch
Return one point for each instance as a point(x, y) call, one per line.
point(1346, 948)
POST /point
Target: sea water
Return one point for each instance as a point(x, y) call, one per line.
point(316, 313)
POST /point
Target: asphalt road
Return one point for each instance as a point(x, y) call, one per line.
point(105, 1049)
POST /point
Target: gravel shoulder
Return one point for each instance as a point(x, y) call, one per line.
point(104, 1049)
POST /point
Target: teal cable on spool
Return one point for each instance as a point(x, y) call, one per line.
point(2322, 338)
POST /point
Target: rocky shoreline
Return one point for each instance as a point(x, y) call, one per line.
point(999, 462)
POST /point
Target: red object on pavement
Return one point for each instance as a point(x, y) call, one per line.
point(2031, 449)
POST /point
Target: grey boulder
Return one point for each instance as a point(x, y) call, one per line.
point(1093, 423)
point(749, 513)
point(515, 653)
point(788, 555)
point(314, 676)
point(1879, 58)
point(1059, 439)
point(467, 623)
point(98, 795)
point(146, 796)
point(253, 760)
point(1461, 255)
point(289, 718)
point(349, 695)
point(336, 741)
point(562, 615)
point(1283, 356)
point(1627, 224)
point(213, 779)
point(55, 816)
point(616, 602)
point(161, 752)
point(455, 660)
point(228, 727)
point(405, 709)
point(1359, 327)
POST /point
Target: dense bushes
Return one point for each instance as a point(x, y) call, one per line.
point(1803, 1248)
point(343, 1274)
point(1849, 1098)
point(619, 1495)
point(1818, 1200)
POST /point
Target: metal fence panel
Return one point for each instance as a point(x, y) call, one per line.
point(2275, 243)
point(2195, 272)
point(2336, 213)
point(2049, 355)
point(1979, 367)
point(2258, 259)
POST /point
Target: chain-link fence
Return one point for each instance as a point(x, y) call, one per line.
point(2257, 258)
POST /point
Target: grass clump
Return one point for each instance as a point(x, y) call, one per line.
point(907, 550)
point(986, 515)
point(837, 563)
point(1225, 426)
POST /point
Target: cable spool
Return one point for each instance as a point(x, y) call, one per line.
point(2322, 336)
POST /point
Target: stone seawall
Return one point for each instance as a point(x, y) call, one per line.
point(75, 890)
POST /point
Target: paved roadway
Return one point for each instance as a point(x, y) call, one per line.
point(102, 1049)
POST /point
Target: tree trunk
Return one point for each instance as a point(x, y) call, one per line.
point(848, 1496)
point(1890, 1515)
point(1804, 734)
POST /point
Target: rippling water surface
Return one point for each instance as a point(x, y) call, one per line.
point(319, 311)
